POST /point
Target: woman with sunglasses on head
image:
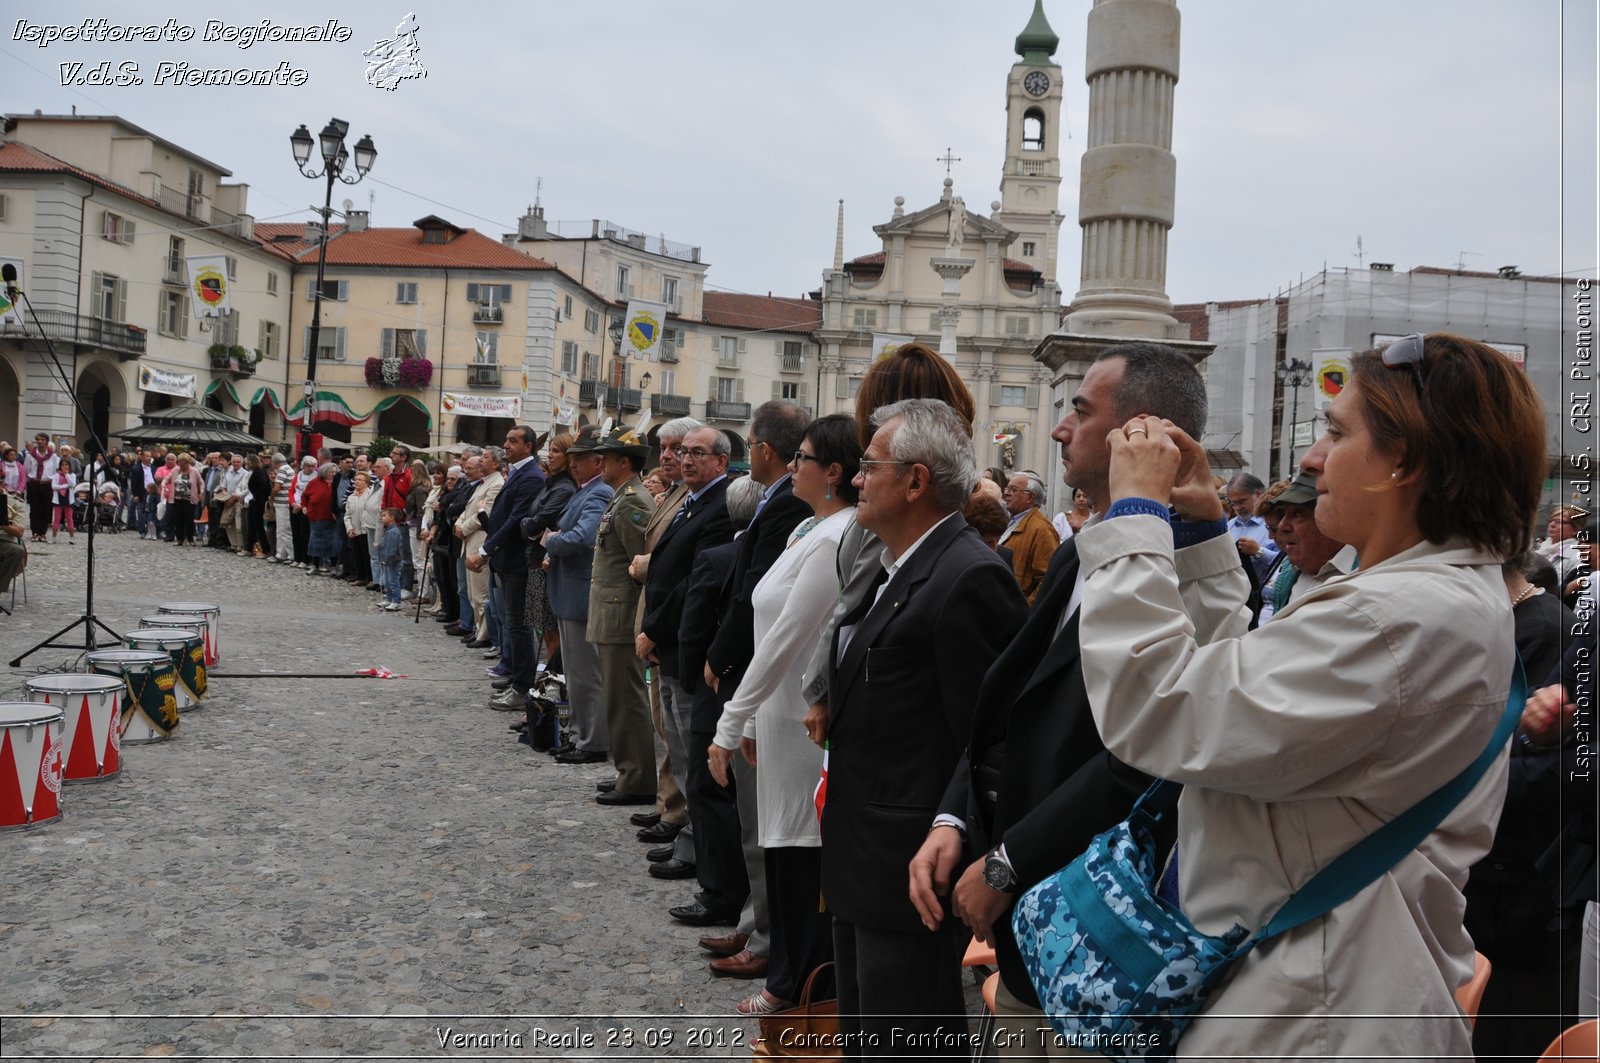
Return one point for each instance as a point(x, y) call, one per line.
point(1297, 741)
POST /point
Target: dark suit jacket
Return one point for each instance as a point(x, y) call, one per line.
point(504, 544)
point(711, 585)
point(901, 696)
point(671, 562)
point(735, 645)
point(1058, 787)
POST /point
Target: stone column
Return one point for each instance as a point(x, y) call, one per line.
point(1125, 195)
point(952, 270)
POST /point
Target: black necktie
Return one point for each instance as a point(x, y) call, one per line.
point(683, 515)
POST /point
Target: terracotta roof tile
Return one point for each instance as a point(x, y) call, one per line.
point(16, 157)
point(397, 247)
point(764, 312)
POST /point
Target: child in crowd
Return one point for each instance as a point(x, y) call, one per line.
point(392, 549)
point(61, 489)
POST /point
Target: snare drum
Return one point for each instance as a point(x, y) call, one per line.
point(213, 632)
point(149, 708)
point(186, 648)
point(30, 764)
point(91, 733)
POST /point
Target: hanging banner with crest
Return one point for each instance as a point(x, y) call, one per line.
point(641, 331)
point(208, 285)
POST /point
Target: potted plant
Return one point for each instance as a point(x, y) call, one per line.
point(219, 355)
point(415, 373)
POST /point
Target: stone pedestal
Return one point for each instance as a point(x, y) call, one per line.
point(952, 270)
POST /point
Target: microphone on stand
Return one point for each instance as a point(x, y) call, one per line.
point(8, 272)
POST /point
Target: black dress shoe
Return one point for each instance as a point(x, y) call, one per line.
point(584, 756)
point(697, 914)
point(660, 832)
point(452, 620)
point(559, 748)
point(645, 819)
point(478, 644)
point(617, 797)
point(501, 683)
point(605, 786)
point(673, 869)
point(455, 630)
point(659, 854)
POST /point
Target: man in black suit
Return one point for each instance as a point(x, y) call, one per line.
point(1036, 784)
point(905, 674)
point(700, 524)
point(504, 551)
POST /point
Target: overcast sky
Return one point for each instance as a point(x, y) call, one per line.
point(1436, 131)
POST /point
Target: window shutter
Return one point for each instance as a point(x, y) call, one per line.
point(777, 390)
point(741, 345)
point(841, 387)
point(105, 224)
point(422, 343)
point(127, 230)
point(311, 288)
point(97, 297)
point(339, 334)
point(472, 293)
point(1031, 399)
point(386, 345)
point(183, 317)
point(738, 389)
point(305, 344)
point(505, 293)
point(805, 394)
point(122, 300)
point(344, 290)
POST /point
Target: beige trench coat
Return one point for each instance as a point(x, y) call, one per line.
point(1295, 741)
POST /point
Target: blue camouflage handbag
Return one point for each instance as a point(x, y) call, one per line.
point(1121, 971)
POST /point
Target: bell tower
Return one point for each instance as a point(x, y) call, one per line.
point(1030, 181)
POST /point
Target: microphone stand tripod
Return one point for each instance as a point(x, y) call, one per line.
point(97, 451)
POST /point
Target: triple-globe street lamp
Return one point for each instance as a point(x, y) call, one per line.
point(1295, 374)
point(335, 158)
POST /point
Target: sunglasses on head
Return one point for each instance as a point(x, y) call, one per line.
point(1406, 351)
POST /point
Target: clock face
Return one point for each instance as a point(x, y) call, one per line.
point(1037, 83)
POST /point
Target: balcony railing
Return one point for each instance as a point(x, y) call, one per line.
point(793, 363)
point(670, 405)
point(669, 353)
point(587, 390)
point(232, 224)
point(179, 202)
point(128, 341)
point(717, 410)
point(487, 315)
point(483, 376)
point(632, 399)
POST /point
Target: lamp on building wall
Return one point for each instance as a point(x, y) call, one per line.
point(335, 158)
point(1295, 374)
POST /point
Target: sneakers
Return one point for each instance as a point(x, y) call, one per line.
point(508, 700)
point(393, 607)
point(499, 671)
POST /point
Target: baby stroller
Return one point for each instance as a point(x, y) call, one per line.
point(107, 506)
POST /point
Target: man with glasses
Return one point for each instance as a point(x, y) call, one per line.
point(1248, 530)
point(906, 670)
point(699, 523)
point(670, 820)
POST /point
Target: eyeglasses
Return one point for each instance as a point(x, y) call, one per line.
point(867, 466)
point(1406, 351)
point(696, 453)
point(800, 456)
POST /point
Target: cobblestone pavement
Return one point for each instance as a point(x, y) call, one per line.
point(327, 867)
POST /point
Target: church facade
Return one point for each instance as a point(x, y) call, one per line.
point(995, 281)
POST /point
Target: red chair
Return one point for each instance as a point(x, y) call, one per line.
point(1576, 1042)
point(1469, 996)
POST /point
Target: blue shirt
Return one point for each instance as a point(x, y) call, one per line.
point(1255, 529)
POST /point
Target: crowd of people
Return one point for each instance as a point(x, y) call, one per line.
point(865, 696)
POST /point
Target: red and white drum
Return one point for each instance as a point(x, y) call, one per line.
point(91, 733)
point(30, 764)
point(149, 708)
point(213, 632)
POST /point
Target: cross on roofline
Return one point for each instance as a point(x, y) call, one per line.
point(949, 158)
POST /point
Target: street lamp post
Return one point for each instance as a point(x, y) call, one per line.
point(617, 374)
point(335, 157)
point(1295, 374)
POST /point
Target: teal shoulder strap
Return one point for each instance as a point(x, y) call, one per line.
point(1362, 865)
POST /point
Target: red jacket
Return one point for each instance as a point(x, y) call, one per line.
point(317, 500)
point(396, 486)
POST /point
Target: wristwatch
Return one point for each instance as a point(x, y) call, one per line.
point(997, 873)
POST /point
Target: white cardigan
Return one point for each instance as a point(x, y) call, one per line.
point(363, 513)
point(1295, 741)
